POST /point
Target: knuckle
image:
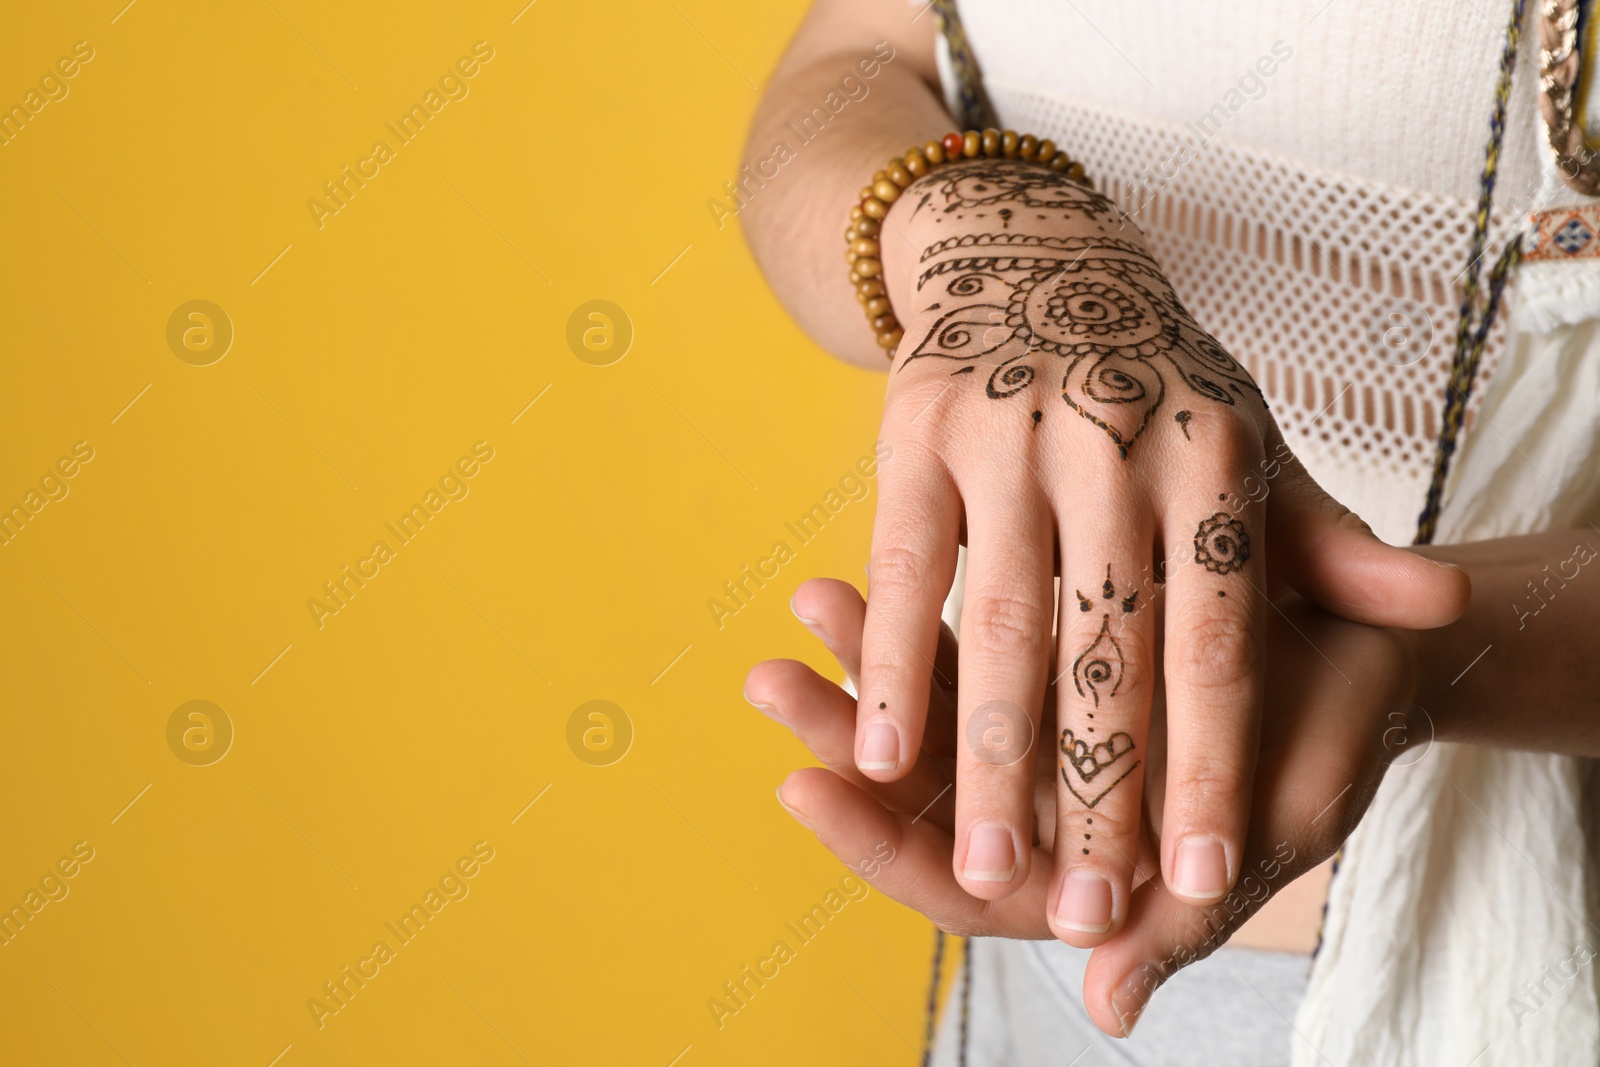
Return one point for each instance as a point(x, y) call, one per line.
point(1205, 784)
point(1350, 522)
point(1004, 621)
point(899, 571)
point(1218, 652)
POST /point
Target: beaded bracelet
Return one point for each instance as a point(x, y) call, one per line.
point(866, 218)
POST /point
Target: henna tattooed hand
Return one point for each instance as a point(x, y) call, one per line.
point(1053, 403)
point(1336, 690)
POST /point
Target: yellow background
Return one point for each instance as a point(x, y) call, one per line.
point(368, 356)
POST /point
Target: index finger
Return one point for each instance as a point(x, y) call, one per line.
point(913, 564)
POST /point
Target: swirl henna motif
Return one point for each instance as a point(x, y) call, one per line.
point(1099, 667)
point(1098, 303)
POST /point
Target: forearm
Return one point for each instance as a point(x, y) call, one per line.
point(1522, 668)
point(805, 162)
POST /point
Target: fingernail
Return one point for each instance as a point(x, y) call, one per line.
point(766, 709)
point(1130, 998)
point(1200, 868)
point(991, 853)
point(880, 750)
point(1085, 903)
point(816, 628)
point(801, 819)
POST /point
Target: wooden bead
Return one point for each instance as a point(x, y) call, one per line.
point(1076, 172)
point(933, 152)
point(864, 246)
point(868, 227)
point(851, 255)
point(871, 289)
point(900, 175)
point(890, 338)
point(1027, 147)
point(916, 162)
point(868, 268)
point(879, 176)
point(1060, 161)
point(864, 194)
point(888, 191)
point(953, 146)
point(860, 298)
point(1008, 144)
point(990, 139)
point(855, 213)
point(855, 279)
point(884, 322)
point(878, 305)
point(1047, 148)
point(971, 144)
point(874, 208)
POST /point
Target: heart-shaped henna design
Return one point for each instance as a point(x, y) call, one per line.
point(1095, 769)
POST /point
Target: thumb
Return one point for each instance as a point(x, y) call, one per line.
point(1332, 558)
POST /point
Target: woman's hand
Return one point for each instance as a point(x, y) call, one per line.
point(1340, 696)
point(1053, 404)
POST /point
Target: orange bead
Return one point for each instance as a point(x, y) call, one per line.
point(954, 145)
point(971, 144)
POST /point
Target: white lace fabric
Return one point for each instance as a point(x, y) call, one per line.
point(1306, 218)
point(1337, 293)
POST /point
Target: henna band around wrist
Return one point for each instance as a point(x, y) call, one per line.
point(866, 218)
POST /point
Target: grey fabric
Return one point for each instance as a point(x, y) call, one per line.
point(1027, 1011)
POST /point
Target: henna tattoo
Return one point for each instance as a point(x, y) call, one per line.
point(988, 183)
point(1099, 666)
point(1099, 303)
point(1221, 544)
point(1095, 769)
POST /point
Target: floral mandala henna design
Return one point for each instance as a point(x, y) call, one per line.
point(1221, 544)
point(1099, 303)
point(1092, 771)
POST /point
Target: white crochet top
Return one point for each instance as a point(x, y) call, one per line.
point(1308, 173)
